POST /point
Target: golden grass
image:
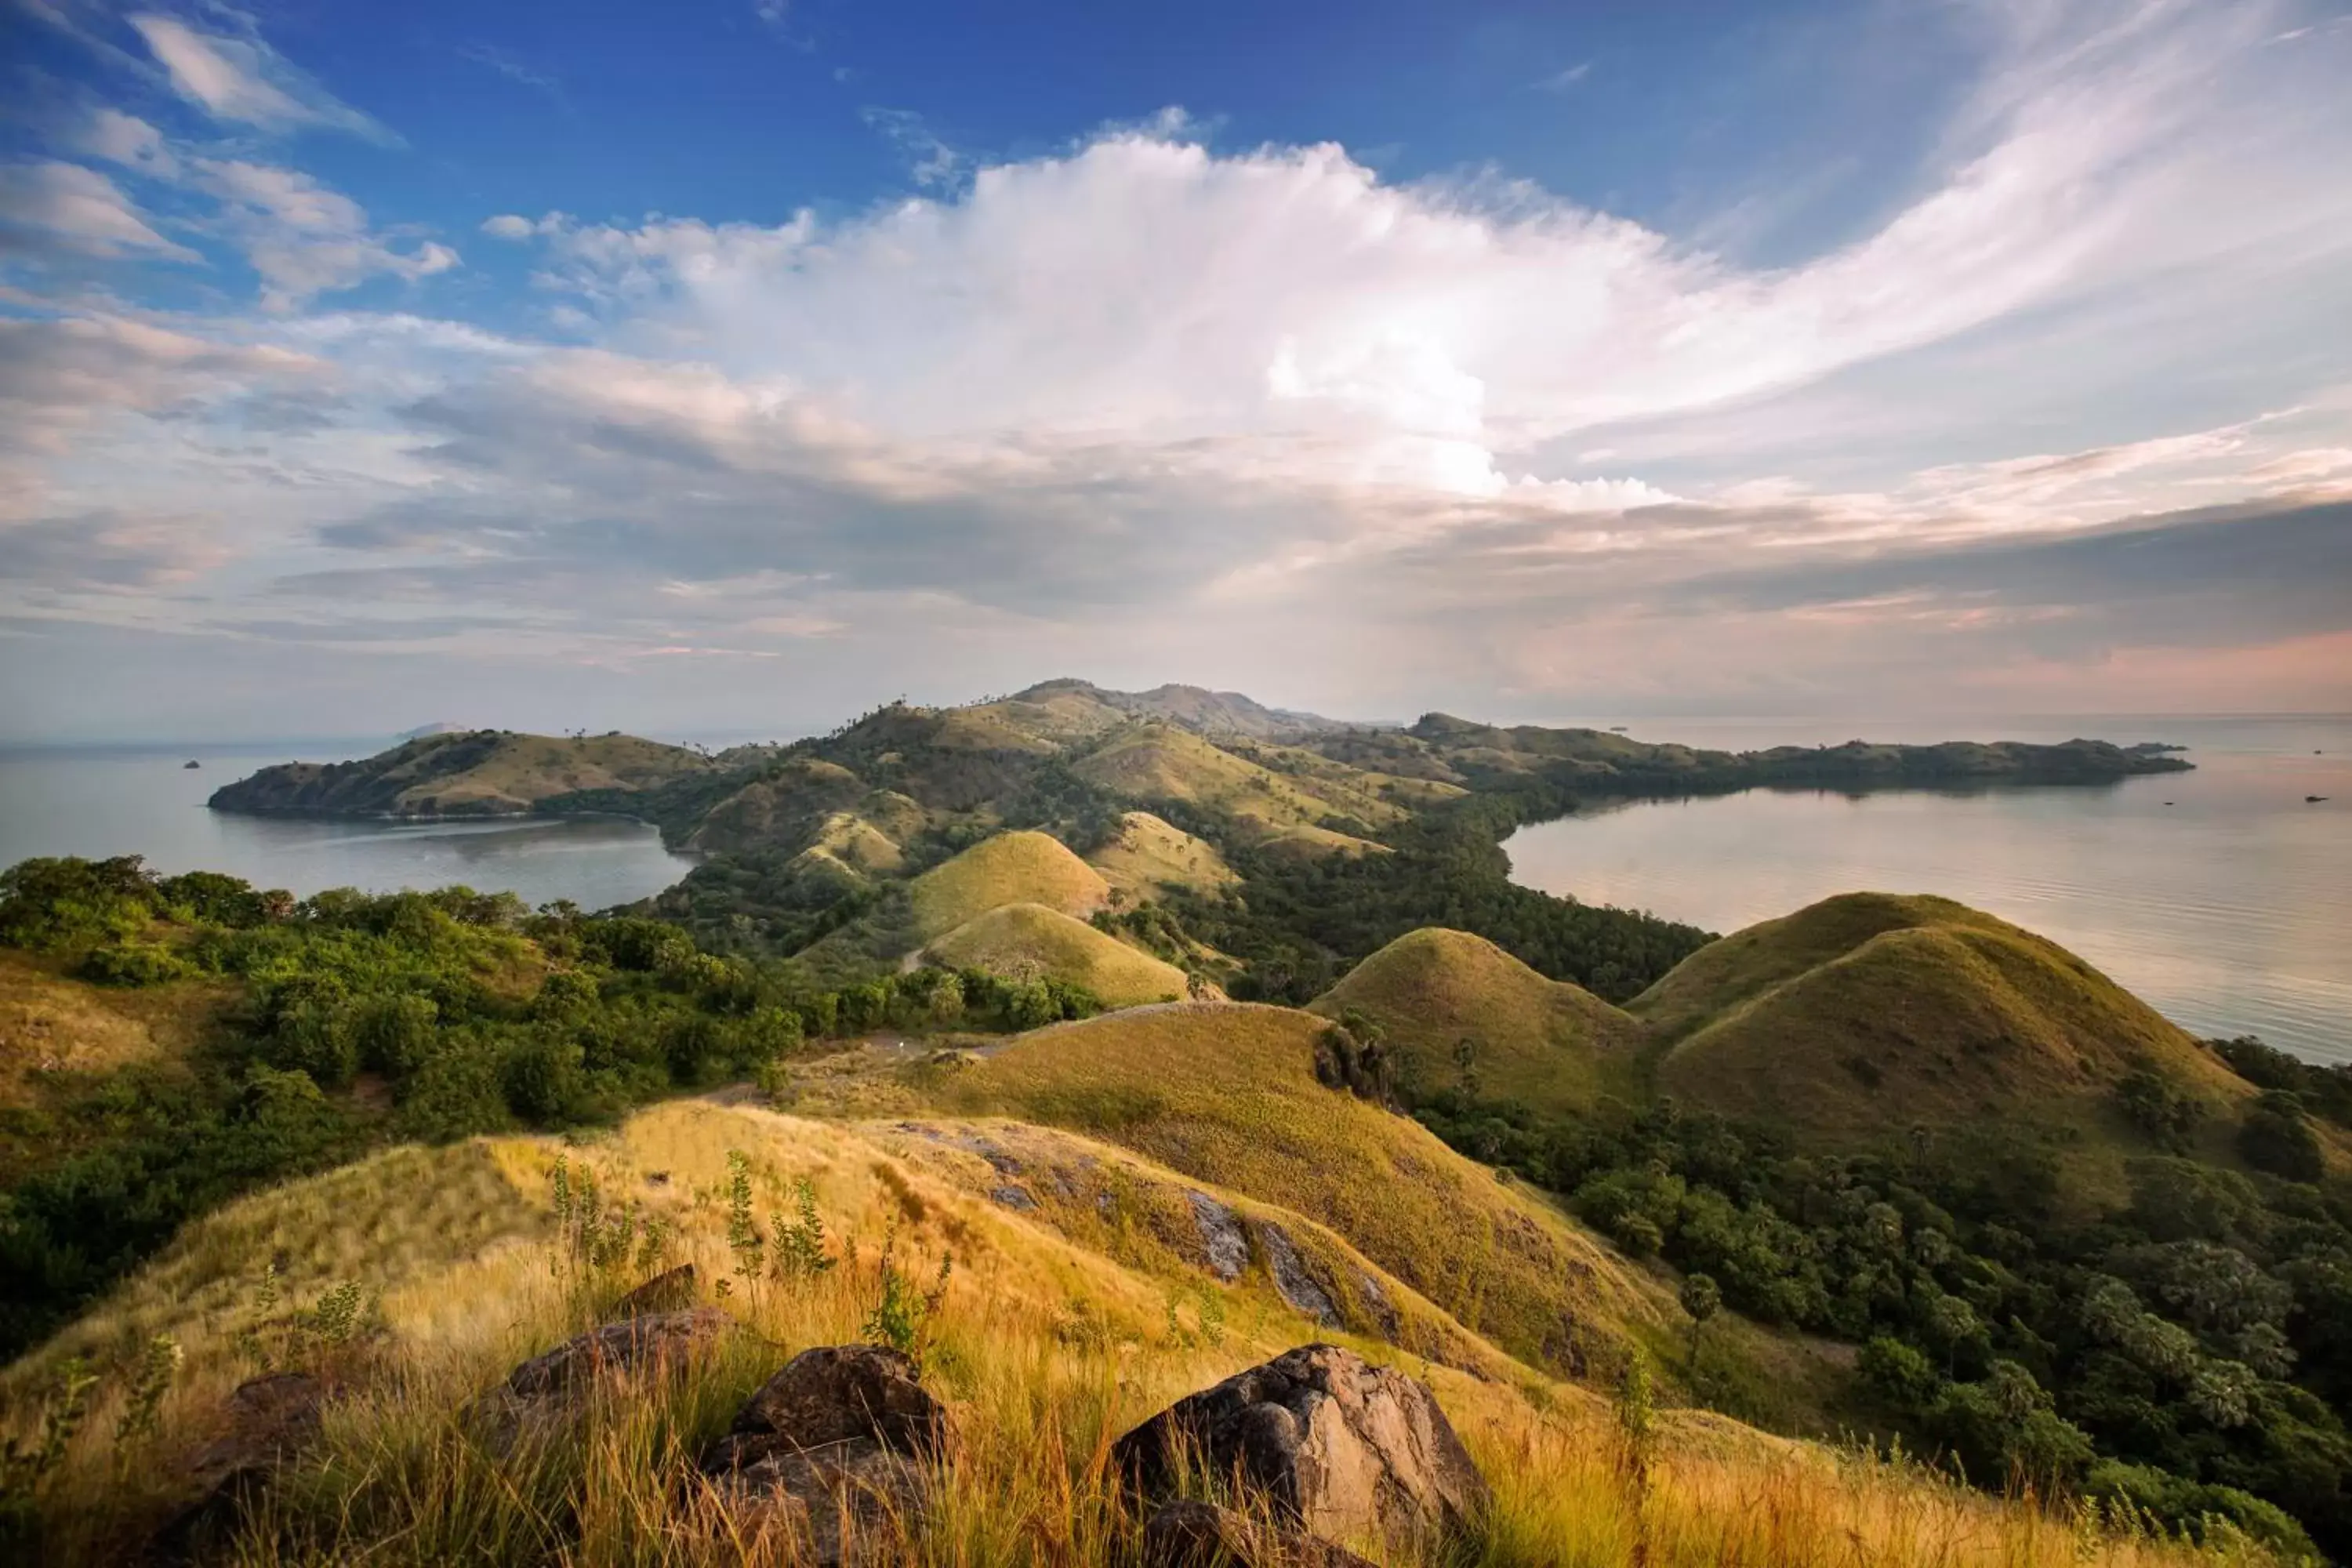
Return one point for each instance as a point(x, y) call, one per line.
point(1044, 1350)
point(1022, 867)
point(1226, 1093)
point(1548, 1045)
point(1030, 941)
point(1149, 855)
point(858, 844)
point(1155, 762)
point(1311, 843)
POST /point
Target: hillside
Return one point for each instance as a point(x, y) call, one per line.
point(1029, 942)
point(1146, 857)
point(1865, 1014)
point(1228, 1094)
point(1544, 1044)
point(1021, 868)
point(1055, 1329)
point(475, 773)
point(1158, 762)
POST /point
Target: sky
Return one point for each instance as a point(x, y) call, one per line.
point(733, 365)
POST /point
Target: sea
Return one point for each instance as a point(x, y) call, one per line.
point(98, 801)
point(2222, 896)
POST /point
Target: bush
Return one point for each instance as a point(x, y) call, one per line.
point(2278, 1139)
point(134, 963)
point(2191, 1507)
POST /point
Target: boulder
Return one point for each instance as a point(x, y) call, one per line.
point(1337, 1446)
point(843, 1505)
point(829, 1454)
point(266, 1421)
point(1202, 1535)
point(670, 1290)
point(837, 1392)
point(1222, 1236)
point(651, 1342)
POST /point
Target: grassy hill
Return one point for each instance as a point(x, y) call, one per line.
point(1159, 761)
point(1228, 1094)
point(1147, 856)
point(1030, 941)
point(1544, 1044)
point(475, 773)
point(1865, 1015)
point(1056, 1331)
point(1024, 867)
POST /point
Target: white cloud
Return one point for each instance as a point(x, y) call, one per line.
point(305, 238)
point(129, 141)
point(80, 209)
point(240, 78)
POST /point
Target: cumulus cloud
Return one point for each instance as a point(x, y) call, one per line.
point(235, 76)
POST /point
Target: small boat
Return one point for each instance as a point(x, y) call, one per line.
point(2313, 799)
point(191, 762)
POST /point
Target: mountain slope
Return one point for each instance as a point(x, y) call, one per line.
point(1548, 1045)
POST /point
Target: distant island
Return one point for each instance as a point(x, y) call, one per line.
point(443, 772)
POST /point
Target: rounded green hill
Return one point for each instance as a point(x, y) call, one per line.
point(1549, 1045)
point(1030, 941)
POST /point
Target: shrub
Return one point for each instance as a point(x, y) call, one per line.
point(134, 963)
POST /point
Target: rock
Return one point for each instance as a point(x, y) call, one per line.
point(1202, 1535)
point(665, 1292)
point(1221, 1237)
point(1338, 1446)
point(828, 1453)
point(1012, 1197)
point(1292, 1279)
point(269, 1420)
point(1376, 1301)
point(837, 1392)
point(843, 1505)
point(655, 1342)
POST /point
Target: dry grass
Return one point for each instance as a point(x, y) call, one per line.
point(1150, 853)
point(1030, 941)
point(1008, 868)
point(1047, 1352)
point(49, 1024)
point(1154, 762)
point(1227, 1094)
point(1544, 1044)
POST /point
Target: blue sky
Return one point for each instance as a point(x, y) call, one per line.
point(723, 363)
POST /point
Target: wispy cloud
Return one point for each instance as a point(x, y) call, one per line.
point(515, 70)
point(235, 76)
point(930, 162)
point(1565, 78)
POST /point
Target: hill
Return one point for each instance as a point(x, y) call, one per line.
point(1055, 1329)
point(1229, 1093)
point(1204, 712)
point(1544, 1044)
point(1020, 867)
point(1160, 763)
point(1865, 1014)
point(475, 773)
point(1029, 942)
point(1147, 856)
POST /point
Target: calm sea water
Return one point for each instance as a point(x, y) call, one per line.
point(124, 801)
point(2220, 896)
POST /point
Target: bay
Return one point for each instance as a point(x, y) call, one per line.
point(99, 801)
point(2221, 897)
